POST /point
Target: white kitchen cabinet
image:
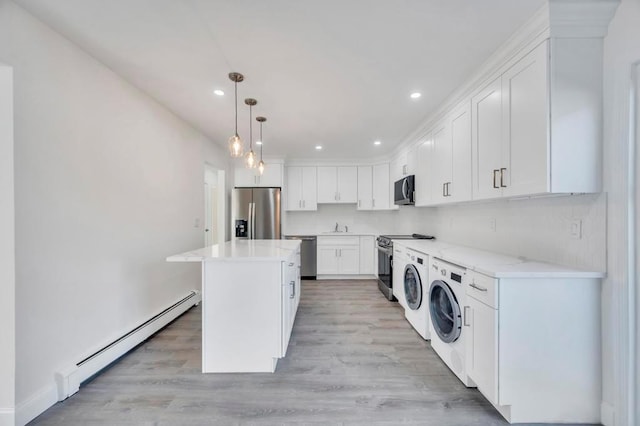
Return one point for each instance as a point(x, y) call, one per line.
point(381, 185)
point(272, 177)
point(533, 345)
point(537, 126)
point(365, 188)
point(373, 187)
point(337, 184)
point(451, 161)
point(425, 172)
point(301, 188)
point(367, 255)
point(338, 255)
point(290, 299)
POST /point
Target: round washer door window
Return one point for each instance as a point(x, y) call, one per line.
point(444, 311)
point(412, 287)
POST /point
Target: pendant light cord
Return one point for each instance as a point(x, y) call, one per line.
point(261, 141)
point(250, 127)
point(235, 85)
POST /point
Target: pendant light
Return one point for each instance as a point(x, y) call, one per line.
point(251, 156)
point(261, 163)
point(235, 143)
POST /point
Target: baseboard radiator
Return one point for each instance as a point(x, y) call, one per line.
point(68, 381)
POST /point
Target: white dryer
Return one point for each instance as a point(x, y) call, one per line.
point(446, 308)
point(415, 284)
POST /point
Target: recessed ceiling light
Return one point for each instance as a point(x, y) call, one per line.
point(416, 95)
point(258, 142)
point(318, 147)
point(377, 142)
point(218, 92)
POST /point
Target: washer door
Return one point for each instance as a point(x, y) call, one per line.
point(444, 311)
point(412, 287)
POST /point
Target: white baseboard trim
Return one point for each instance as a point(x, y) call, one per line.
point(346, 277)
point(37, 404)
point(7, 417)
point(607, 414)
point(67, 381)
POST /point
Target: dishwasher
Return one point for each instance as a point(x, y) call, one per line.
point(308, 253)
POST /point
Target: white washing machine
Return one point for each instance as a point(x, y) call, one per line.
point(446, 302)
point(415, 284)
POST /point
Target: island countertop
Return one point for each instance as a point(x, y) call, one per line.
point(240, 250)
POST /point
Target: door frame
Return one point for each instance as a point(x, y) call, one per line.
point(7, 250)
point(221, 200)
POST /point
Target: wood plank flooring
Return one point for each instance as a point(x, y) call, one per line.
point(353, 359)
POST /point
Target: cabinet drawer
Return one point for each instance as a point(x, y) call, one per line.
point(483, 288)
point(339, 241)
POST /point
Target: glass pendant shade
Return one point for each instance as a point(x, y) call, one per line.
point(261, 167)
point(251, 159)
point(235, 146)
point(235, 143)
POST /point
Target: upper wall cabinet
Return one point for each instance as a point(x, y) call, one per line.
point(535, 128)
point(272, 177)
point(337, 184)
point(373, 187)
point(301, 188)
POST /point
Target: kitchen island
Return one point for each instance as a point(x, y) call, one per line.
point(250, 296)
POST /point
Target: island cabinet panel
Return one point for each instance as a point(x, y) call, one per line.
point(248, 313)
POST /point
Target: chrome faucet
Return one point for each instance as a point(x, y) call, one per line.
point(336, 229)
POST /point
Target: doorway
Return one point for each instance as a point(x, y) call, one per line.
point(214, 205)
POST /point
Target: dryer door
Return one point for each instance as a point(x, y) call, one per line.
point(412, 287)
point(444, 311)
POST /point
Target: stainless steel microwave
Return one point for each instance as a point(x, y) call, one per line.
point(404, 190)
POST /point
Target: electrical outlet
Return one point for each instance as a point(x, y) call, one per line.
point(492, 224)
point(575, 229)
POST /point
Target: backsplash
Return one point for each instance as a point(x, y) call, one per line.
point(537, 228)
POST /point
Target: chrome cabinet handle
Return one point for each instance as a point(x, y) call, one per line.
point(477, 287)
point(502, 170)
point(293, 289)
point(495, 185)
point(448, 193)
point(444, 193)
point(466, 316)
point(291, 263)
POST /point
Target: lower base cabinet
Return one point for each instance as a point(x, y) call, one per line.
point(533, 346)
point(346, 255)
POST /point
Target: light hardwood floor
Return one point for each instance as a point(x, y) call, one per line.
point(353, 359)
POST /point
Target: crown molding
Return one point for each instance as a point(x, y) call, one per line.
point(581, 18)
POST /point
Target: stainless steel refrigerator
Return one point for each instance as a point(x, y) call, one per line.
point(256, 213)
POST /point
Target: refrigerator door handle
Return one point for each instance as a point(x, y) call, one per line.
point(250, 224)
point(253, 221)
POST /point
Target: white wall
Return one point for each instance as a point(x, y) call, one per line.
point(621, 50)
point(107, 184)
point(7, 250)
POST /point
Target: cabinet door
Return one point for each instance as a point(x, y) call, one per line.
point(482, 347)
point(244, 177)
point(327, 260)
point(349, 260)
point(410, 164)
point(441, 162)
point(285, 319)
point(460, 187)
point(425, 172)
point(381, 187)
point(294, 188)
point(348, 184)
point(327, 185)
point(486, 134)
point(526, 114)
point(272, 176)
point(365, 188)
point(367, 255)
point(396, 167)
point(309, 195)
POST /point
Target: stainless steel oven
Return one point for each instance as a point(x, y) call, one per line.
point(385, 260)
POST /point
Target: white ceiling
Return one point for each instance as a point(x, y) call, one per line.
point(331, 72)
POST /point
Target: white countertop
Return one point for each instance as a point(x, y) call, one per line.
point(494, 264)
point(241, 250)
